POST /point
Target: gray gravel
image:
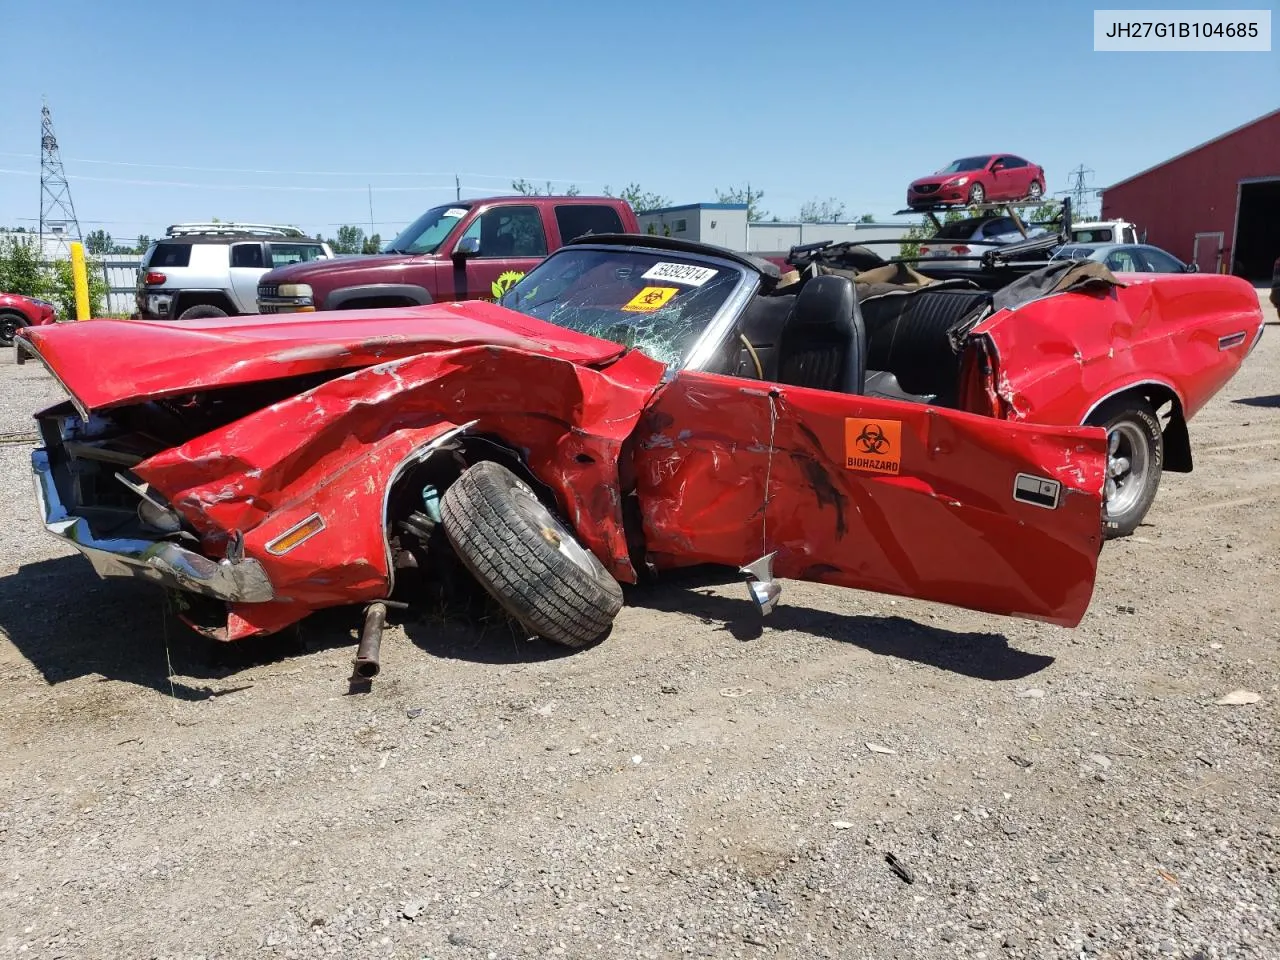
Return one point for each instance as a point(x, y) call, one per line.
point(692, 787)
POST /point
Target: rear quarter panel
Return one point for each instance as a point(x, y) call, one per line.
point(1060, 356)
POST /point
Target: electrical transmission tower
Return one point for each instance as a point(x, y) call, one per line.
point(57, 212)
point(1080, 191)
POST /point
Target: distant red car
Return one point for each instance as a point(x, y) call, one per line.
point(978, 179)
point(17, 311)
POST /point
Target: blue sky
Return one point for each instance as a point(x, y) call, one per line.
point(287, 112)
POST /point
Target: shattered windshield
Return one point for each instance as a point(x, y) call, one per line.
point(657, 302)
point(426, 233)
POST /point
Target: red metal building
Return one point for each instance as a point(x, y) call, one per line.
point(1217, 204)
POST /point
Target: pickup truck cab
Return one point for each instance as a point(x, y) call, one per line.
point(469, 250)
point(1105, 231)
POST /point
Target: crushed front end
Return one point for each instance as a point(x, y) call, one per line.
point(90, 498)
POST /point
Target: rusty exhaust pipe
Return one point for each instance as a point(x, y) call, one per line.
point(367, 664)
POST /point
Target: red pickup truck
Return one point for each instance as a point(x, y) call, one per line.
point(469, 250)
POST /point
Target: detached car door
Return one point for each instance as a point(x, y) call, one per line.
point(898, 498)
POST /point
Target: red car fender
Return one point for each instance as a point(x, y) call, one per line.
point(335, 449)
point(1181, 337)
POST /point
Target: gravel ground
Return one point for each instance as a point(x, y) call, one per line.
point(694, 786)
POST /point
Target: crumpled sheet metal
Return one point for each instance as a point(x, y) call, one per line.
point(336, 449)
point(1060, 355)
point(112, 362)
point(945, 528)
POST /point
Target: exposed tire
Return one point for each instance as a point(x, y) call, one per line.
point(201, 310)
point(10, 324)
point(527, 559)
point(977, 193)
point(1035, 191)
point(1135, 462)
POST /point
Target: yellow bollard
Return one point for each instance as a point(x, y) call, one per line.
point(80, 278)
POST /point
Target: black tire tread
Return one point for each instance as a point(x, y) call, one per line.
point(533, 582)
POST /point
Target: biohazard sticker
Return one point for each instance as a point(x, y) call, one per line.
point(650, 299)
point(873, 446)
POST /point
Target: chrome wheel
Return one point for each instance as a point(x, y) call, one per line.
point(1128, 464)
point(977, 193)
point(1034, 191)
point(527, 503)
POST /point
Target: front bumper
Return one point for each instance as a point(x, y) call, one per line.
point(160, 561)
point(941, 195)
point(285, 306)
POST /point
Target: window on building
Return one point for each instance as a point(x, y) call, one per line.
point(680, 226)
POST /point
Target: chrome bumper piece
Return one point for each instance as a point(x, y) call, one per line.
point(161, 561)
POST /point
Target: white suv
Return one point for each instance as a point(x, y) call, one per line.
point(212, 269)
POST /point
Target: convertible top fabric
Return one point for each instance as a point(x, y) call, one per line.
point(1055, 278)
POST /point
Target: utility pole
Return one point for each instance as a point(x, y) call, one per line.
point(57, 212)
point(370, 186)
point(457, 187)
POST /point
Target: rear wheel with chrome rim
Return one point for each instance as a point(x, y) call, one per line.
point(1135, 460)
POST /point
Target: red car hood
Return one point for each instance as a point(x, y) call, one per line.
point(104, 363)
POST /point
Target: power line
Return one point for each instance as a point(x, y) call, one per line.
point(355, 174)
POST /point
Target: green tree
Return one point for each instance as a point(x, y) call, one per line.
point(745, 195)
point(867, 218)
point(830, 210)
point(524, 187)
point(142, 243)
point(639, 198)
point(372, 244)
point(98, 242)
point(350, 240)
point(62, 288)
point(21, 271)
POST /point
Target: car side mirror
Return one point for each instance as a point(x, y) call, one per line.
point(467, 247)
point(1193, 268)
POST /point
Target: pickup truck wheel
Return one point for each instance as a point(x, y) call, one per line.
point(1135, 461)
point(10, 324)
point(201, 310)
point(526, 558)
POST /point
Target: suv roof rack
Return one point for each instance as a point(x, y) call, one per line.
point(255, 229)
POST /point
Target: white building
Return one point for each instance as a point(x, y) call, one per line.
point(726, 225)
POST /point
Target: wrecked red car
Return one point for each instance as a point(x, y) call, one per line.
point(633, 404)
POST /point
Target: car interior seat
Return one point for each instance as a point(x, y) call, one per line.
point(824, 341)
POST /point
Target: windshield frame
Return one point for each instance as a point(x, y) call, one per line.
point(718, 326)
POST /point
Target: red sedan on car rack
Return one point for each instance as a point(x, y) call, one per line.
point(979, 179)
